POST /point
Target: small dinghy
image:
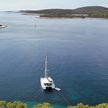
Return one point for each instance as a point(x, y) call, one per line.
point(58, 89)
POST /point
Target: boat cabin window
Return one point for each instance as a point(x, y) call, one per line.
point(48, 84)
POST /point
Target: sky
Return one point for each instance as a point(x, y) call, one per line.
point(11, 5)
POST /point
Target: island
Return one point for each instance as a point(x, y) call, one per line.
point(2, 26)
point(83, 12)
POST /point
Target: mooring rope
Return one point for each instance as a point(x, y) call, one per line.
point(33, 94)
point(64, 98)
point(58, 92)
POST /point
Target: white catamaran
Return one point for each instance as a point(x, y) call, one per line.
point(47, 82)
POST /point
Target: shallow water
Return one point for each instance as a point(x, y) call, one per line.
point(77, 59)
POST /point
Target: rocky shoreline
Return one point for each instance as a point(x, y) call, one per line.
point(2, 26)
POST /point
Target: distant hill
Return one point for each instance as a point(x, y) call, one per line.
point(49, 11)
point(90, 11)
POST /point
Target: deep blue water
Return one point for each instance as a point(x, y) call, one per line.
point(77, 58)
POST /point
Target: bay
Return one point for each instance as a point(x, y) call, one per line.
point(77, 59)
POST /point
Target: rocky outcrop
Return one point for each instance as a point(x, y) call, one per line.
point(2, 26)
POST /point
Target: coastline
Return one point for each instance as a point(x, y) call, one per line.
point(83, 12)
point(60, 17)
point(21, 104)
point(2, 26)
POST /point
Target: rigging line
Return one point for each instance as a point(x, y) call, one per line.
point(64, 98)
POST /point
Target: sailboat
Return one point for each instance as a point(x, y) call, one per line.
point(47, 82)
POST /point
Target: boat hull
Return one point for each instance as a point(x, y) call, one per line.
point(47, 84)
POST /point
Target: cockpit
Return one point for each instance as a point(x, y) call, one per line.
point(47, 84)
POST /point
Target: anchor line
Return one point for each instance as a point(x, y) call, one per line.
point(33, 94)
point(38, 93)
point(64, 98)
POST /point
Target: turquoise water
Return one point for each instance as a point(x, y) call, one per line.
point(77, 59)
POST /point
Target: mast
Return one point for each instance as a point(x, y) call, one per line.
point(46, 66)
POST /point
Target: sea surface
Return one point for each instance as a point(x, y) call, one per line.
point(77, 52)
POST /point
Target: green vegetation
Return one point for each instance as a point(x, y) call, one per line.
point(90, 11)
point(18, 104)
point(43, 105)
point(99, 15)
point(103, 105)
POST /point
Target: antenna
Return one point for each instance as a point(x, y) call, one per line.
point(46, 66)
